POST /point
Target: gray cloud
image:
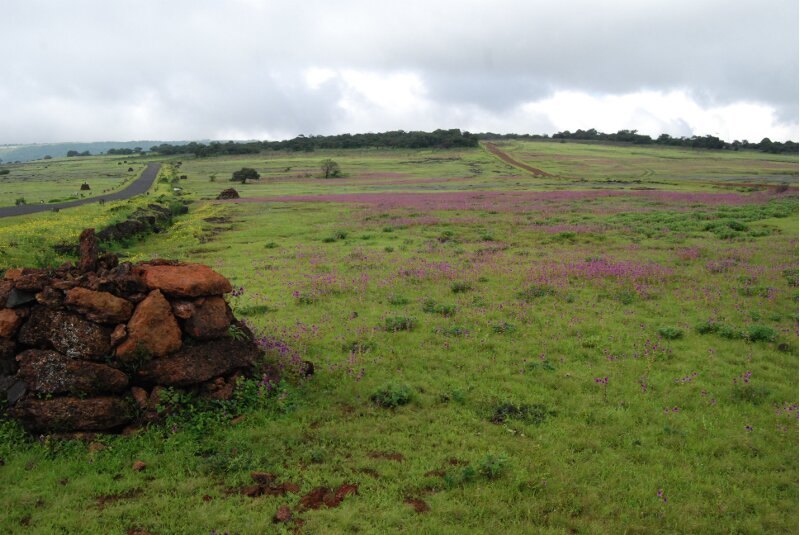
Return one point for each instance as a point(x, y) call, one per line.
point(88, 69)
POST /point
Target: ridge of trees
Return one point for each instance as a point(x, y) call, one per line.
point(633, 137)
point(456, 138)
point(397, 139)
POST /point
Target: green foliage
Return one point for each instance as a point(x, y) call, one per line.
point(535, 291)
point(399, 323)
point(458, 287)
point(761, 333)
point(330, 169)
point(398, 300)
point(530, 413)
point(432, 307)
point(670, 333)
point(392, 395)
point(244, 174)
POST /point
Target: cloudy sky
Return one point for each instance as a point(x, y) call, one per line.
point(89, 70)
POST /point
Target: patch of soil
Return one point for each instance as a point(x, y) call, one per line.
point(388, 455)
point(326, 496)
point(283, 514)
point(418, 505)
point(491, 147)
point(222, 219)
point(109, 499)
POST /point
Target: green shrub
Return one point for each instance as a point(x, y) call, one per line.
point(398, 300)
point(535, 291)
point(392, 396)
point(707, 327)
point(492, 466)
point(670, 333)
point(399, 323)
point(460, 287)
point(534, 413)
point(760, 333)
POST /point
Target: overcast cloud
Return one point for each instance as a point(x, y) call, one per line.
point(88, 70)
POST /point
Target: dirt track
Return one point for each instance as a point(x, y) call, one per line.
point(491, 147)
point(138, 187)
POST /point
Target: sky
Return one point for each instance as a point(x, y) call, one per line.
point(98, 70)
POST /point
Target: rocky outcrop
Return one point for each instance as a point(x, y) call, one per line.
point(90, 348)
point(229, 193)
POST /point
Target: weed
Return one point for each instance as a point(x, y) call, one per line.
point(535, 291)
point(392, 395)
point(535, 413)
point(399, 323)
point(398, 300)
point(761, 333)
point(492, 466)
point(460, 287)
point(670, 333)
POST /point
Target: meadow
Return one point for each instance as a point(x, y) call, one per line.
point(609, 348)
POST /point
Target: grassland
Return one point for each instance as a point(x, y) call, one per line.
point(505, 353)
point(60, 179)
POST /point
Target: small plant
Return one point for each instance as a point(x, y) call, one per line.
point(398, 323)
point(392, 396)
point(503, 328)
point(388, 249)
point(236, 332)
point(534, 413)
point(398, 300)
point(460, 287)
point(670, 333)
point(535, 291)
point(707, 327)
point(492, 466)
point(433, 307)
point(270, 245)
point(19, 201)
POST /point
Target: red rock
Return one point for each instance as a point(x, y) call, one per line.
point(50, 297)
point(48, 372)
point(140, 396)
point(8, 350)
point(67, 333)
point(88, 251)
point(12, 274)
point(118, 334)
point(283, 514)
point(9, 322)
point(152, 329)
point(32, 280)
point(184, 280)
point(70, 413)
point(5, 290)
point(210, 320)
point(183, 309)
point(102, 307)
point(138, 466)
point(199, 363)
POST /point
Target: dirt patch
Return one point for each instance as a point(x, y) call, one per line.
point(491, 147)
point(418, 505)
point(388, 455)
point(326, 496)
point(452, 461)
point(110, 499)
point(222, 219)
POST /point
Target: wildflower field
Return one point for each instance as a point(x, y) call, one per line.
point(609, 347)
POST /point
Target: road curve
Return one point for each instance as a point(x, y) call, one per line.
point(491, 147)
point(138, 187)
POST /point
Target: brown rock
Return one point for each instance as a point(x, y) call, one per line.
point(210, 320)
point(184, 280)
point(8, 350)
point(12, 274)
point(32, 280)
point(140, 396)
point(88, 251)
point(138, 466)
point(196, 364)
point(48, 372)
point(50, 297)
point(5, 290)
point(229, 193)
point(99, 306)
point(118, 334)
point(183, 309)
point(122, 281)
point(67, 333)
point(74, 414)
point(9, 322)
point(152, 329)
point(283, 514)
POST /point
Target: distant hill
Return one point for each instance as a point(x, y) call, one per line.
point(24, 153)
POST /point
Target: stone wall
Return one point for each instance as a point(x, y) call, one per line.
point(89, 347)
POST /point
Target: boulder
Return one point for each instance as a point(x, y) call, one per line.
point(66, 332)
point(118, 334)
point(8, 349)
point(229, 193)
point(184, 280)
point(122, 281)
point(31, 280)
point(152, 329)
point(49, 372)
point(209, 320)
point(9, 322)
point(196, 364)
point(17, 298)
point(102, 307)
point(73, 414)
point(50, 297)
point(183, 309)
point(88, 251)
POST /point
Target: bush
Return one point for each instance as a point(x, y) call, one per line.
point(707, 327)
point(398, 300)
point(4, 171)
point(670, 333)
point(399, 323)
point(492, 466)
point(535, 413)
point(433, 307)
point(392, 396)
point(760, 333)
point(460, 287)
point(535, 291)
point(244, 174)
point(19, 201)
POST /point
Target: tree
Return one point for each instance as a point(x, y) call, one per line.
point(244, 174)
point(330, 169)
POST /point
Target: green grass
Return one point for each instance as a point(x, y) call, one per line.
point(492, 408)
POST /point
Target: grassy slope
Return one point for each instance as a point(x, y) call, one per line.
point(592, 458)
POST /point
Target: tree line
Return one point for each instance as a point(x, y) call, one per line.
point(634, 137)
point(398, 139)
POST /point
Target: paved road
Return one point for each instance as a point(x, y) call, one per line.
point(138, 187)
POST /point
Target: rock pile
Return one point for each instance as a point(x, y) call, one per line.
point(229, 193)
point(90, 348)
